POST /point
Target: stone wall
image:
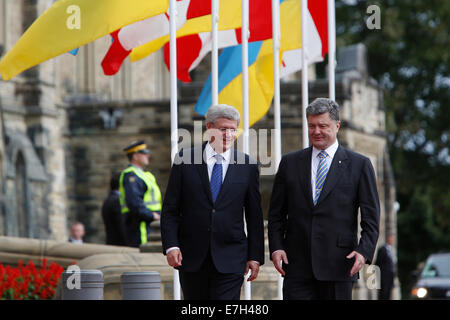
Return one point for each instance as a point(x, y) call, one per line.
point(32, 133)
point(95, 153)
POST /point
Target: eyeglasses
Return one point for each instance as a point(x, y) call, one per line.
point(228, 130)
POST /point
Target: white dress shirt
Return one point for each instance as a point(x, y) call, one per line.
point(331, 150)
point(72, 240)
point(211, 160)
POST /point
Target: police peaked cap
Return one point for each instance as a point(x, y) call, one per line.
point(138, 146)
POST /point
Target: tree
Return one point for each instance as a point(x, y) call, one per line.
point(418, 236)
point(409, 57)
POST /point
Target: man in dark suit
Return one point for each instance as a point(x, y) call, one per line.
point(211, 189)
point(313, 212)
point(112, 216)
point(386, 262)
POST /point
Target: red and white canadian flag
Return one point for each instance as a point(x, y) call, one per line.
point(193, 48)
point(141, 32)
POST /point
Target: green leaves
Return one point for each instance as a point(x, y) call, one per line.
point(409, 57)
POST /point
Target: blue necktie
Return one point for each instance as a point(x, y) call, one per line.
point(216, 177)
point(321, 175)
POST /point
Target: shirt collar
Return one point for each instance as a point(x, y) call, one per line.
point(210, 152)
point(331, 150)
point(133, 165)
point(75, 240)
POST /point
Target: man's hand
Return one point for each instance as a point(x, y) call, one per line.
point(359, 262)
point(277, 257)
point(174, 258)
point(254, 267)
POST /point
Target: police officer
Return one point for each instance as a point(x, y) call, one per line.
point(140, 197)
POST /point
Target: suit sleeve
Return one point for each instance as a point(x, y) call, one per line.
point(277, 210)
point(134, 195)
point(370, 212)
point(254, 219)
point(171, 212)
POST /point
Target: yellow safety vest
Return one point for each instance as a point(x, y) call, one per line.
point(152, 196)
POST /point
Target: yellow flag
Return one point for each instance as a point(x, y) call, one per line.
point(260, 78)
point(290, 25)
point(229, 18)
point(260, 73)
point(69, 24)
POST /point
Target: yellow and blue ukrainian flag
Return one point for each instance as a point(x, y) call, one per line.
point(260, 71)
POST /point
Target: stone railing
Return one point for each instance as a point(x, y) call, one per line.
point(113, 265)
point(13, 249)
point(113, 261)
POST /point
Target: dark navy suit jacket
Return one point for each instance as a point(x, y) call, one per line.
point(191, 221)
point(318, 238)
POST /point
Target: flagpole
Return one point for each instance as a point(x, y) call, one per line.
point(276, 78)
point(276, 36)
point(215, 51)
point(304, 8)
point(245, 101)
point(245, 89)
point(331, 49)
point(173, 112)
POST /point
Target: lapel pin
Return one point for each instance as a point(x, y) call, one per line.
point(340, 161)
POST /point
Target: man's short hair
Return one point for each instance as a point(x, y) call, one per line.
point(323, 105)
point(77, 223)
point(222, 111)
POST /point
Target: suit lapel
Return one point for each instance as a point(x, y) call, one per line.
point(338, 165)
point(202, 170)
point(304, 169)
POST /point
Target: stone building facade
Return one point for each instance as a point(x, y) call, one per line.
point(35, 200)
point(32, 163)
point(64, 124)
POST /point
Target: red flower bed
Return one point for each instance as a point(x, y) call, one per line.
point(27, 282)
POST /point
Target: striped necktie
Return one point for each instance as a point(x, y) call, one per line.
point(321, 175)
point(216, 177)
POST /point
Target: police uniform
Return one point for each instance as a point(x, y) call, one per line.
point(140, 196)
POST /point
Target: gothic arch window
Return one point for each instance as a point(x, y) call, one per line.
point(29, 10)
point(2, 194)
point(121, 82)
point(3, 21)
point(21, 196)
point(85, 67)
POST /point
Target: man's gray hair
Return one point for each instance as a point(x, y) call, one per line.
point(323, 105)
point(222, 111)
